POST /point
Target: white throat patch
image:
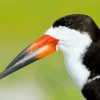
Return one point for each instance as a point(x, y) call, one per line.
point(74, 45)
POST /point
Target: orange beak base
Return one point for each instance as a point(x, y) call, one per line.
point(38, 49)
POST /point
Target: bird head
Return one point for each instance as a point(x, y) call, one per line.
point(71, 31)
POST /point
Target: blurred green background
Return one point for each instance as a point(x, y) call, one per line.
point(23, 21)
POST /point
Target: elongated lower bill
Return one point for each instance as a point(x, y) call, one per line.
point(38, 49)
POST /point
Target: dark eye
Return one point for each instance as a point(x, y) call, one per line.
point(70, 23)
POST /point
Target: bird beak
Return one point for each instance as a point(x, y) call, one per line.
point(38, 49)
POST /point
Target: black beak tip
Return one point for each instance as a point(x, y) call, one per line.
point(2, 75)
point(5, 73)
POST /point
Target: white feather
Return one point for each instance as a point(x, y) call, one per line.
point(74, 45)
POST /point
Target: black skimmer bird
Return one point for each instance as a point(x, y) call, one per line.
point(78, 37)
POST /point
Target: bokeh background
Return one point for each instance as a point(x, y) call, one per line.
point(23, 21)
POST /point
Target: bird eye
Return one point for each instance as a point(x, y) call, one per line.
point(70, 23)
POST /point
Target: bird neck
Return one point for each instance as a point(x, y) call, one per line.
point(74, 51)
point(75, 67)
point(92, 59)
